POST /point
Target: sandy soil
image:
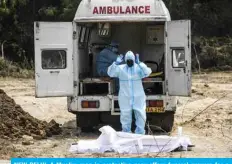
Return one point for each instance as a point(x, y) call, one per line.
point(210, 131)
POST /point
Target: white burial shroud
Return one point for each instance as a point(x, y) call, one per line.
point(121, 142)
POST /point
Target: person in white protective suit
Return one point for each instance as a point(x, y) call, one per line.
point(131, 93)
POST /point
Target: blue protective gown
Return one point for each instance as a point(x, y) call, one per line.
point(131, 93)
point(104, 59)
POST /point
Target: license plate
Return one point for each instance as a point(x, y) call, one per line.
point(155, 110)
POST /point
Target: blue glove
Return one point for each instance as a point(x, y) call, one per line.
point(137, 59)
point(119, 59)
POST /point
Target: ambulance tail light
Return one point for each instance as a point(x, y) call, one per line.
point(155, 103)
point(90, 104)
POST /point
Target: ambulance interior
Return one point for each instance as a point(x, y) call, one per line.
point(146, 39)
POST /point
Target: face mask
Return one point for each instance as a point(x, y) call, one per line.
point(115, 50)
point(130, 63)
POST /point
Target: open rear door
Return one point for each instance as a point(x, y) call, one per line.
point(53, 59)
point(179, 58)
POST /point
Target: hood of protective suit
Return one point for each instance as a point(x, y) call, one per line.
point(129, 56)
point(114, 44)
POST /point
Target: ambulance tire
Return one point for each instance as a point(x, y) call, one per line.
point(87, 121)
point(114, 121)
point(111, 120)
point(162, 122)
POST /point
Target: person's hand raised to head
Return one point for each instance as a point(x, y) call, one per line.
point(119, 59)
point(137, 61)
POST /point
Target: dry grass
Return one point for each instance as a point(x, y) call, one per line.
point(10, 69)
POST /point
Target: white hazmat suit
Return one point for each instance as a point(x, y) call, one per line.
point(131, 93)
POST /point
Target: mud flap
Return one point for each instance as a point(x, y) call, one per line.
point(87, 121)
point(162, 122)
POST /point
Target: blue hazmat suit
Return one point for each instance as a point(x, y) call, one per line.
point(104, 59)
point(131, 92)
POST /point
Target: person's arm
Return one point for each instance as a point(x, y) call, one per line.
point(113, 70)
point(102, 64)
point(144, 70)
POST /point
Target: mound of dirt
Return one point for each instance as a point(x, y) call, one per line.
point(15, 122)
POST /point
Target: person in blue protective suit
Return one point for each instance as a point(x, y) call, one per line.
point(106, 57)
point(131, 94)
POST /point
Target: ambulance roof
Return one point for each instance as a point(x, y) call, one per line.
point(121, 10)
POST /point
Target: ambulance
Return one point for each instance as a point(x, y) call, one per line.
point(65, 59)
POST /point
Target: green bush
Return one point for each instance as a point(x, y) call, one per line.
point(10, 69)
point(213, 53)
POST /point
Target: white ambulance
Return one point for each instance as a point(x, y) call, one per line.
point(65, 59)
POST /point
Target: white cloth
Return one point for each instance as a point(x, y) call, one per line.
point(122, 142)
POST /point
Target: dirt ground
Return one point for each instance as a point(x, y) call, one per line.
point(15, 123)
point(210, 129)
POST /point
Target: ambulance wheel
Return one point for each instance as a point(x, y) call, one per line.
point(162, 122)
point(111, 120)
point(86, 121)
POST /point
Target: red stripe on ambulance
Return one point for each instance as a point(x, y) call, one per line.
point(121, 10)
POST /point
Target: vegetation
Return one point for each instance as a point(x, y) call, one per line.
point(10, 69)
point(211, 22)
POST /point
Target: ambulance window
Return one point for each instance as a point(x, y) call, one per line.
point(54, 59)
point(104, 29)
point(84, 33)
point(178, 58)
